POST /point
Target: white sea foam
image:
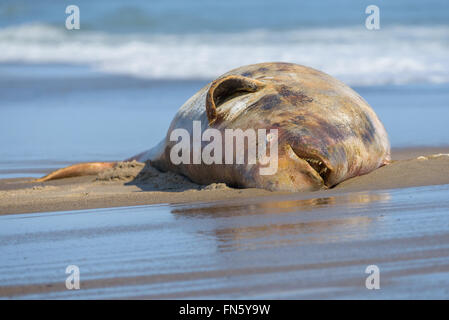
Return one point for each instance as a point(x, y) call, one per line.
point(402, 54)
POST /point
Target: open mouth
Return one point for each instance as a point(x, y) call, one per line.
point(319, 167)
point(315, 162)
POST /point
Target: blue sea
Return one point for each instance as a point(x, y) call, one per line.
point(109, 90)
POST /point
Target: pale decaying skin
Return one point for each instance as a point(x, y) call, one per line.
point(326, 132)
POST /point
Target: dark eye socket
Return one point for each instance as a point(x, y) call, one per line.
point(230, 89)
point(223, 89)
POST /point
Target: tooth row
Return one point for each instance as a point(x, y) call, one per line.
point(313, 161)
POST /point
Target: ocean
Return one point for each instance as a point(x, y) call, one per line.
point(109, 90)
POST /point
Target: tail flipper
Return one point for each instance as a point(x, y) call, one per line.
point(77, 170)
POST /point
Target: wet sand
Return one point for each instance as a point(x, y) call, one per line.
point(215, 242)
point(135, 184)
point(267, 248)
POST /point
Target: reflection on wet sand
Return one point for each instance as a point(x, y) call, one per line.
point(283, 249)
point(277, 235)
point(262, 206)
point(283, 222)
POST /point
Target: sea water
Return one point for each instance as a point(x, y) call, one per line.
point(110, 89)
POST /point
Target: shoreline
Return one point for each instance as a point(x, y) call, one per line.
point(411, 167)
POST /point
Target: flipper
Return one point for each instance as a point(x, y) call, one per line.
point(91, 168)
point(78, 170)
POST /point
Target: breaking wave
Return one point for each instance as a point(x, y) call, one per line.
point(392, 55)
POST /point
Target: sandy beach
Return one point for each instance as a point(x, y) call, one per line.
point(290, 246)
point(132, 184)
point(107, 87)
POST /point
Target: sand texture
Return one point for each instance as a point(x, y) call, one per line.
point(134, 183)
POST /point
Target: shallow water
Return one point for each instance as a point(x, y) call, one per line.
point(251, 248)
